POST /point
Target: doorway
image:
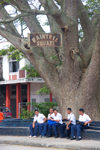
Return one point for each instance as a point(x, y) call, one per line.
point(2, 95)
point(13, 100)
point(24, 96)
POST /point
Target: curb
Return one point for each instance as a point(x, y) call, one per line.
point(68, 147)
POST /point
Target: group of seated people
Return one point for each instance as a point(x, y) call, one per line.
point(54, 126)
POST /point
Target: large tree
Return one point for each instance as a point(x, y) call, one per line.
point(72, 71)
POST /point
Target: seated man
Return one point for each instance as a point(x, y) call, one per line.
point(50, 113)
point(39, 125)
point(65, 128)
point(50, 122)
point(83, 123)
point(71, 121)
point(57, 121)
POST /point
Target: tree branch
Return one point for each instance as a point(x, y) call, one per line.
point(96, 20)
point(46, 69)
point(85, 23)
point(59, 2)
point(89, 34)
point(28, 13)
point(31, 21)
point(10, 26)
point(91, 77)
point(61, 19)
point(23, 6)
point(16, 41)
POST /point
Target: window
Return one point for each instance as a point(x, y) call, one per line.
point(13, 66)
point(33, 100)
point(13, 89)
point(47, 99)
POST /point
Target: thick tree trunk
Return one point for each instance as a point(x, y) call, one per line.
point(83, 90)
point(78, 98)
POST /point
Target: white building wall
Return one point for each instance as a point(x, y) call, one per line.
point(23, 62)
point(5, 65)
point(5, 68)
point(34, 87)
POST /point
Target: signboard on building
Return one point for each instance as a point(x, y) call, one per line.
point(45, 40)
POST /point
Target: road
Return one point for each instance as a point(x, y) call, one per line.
point(17, 147)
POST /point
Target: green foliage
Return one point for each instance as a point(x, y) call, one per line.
point(44, 107)
point(43, 90)
point(3, 52)
point(59, 62)
point(3, 1)
point(25, 114)
point(93, 7)
point(31, 71)
point(12, 52)
point(54, 58)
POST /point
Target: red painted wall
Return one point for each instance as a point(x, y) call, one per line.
point(8, 96)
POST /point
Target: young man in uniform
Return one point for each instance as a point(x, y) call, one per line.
point(83, 123)
point(39, 125)
point(71, 121)
point(50, 113)
point(57, 119)
point(65, 128)
point(50, 122)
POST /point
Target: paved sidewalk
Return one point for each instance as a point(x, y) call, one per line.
point(51, 143)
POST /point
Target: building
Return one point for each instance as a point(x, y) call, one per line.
point(16, 89)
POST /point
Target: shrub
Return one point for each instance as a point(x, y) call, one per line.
point(43, 90)
point(42, 107)
point(25, 114)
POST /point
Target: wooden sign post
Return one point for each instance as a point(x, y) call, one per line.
point(45, 40)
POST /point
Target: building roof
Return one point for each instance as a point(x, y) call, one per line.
point(23, 80)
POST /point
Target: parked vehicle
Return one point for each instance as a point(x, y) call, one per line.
point(7, 112)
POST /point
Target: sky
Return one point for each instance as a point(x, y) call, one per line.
point(4, 45)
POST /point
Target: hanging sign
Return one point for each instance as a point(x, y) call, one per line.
point(45, 40)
